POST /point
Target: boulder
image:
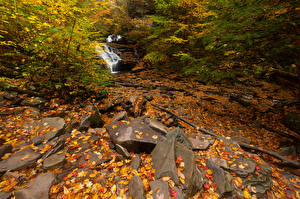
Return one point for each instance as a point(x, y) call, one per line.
point(54, 160)
point(121, 116)
point(160, 189)
point(38, 188)
point(122, 151)
point(20, 160)
point(158, 126)
point(92, 119)
point(6, 148)
point(33, 101)
point(136, 188)
point(5, 195)
point(198, 144)
point(10, 95)
point(134, 135)
point(222, 179)
point(292, 121)
point(193, 177)
point(135, 163)
point(163, 158)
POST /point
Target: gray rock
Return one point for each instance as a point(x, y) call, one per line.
point(219, 176)
point(122, 151)
point(160, 189)
point(193, 177)
point(121, 116)
point(10, 95)
point(179, 193)
point(7, 148)
point(163, 158)
point(292, 121)
point(54, 160)
point(5, 195)
point(19, 160)
point(34, 101)
point(93, 119)
point(56, 125)
point(37, 140)
point(243, 167)
point(134, 135)
point(180, 137)
point(158, 126)
point(33, 112)
point(37, 189)
point(200, 144)
point(290, 150)
point(136, 188)
point(135, 163)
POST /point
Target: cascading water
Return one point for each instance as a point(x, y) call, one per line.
point(109, 54)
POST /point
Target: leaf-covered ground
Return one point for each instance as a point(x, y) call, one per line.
point(250, 110)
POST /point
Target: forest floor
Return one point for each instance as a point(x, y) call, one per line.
point(250, 111)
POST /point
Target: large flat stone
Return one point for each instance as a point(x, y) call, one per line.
point(160, 189)
point(54, 160)
point(136, 188)
point(38, 188)
point(134, 135)
point(198, 144)
point(19, 160)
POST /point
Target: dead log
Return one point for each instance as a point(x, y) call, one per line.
point(284, 160)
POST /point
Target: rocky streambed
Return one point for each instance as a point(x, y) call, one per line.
point(122, 147)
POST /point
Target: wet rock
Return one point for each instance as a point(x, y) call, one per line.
point(37, 140)
point(160, 189)
point(121, 116)
point(122, 151)
point(54, 160)
point(163, 158)
point(180, 137)
point(33, 101)
point(180, 195)
point(290, 150)
point(292, 121)
point(34, 112)
point(19, 160)
point(222, 179)
point(49, 127)
point(10, 95)
point(135, 163)
point(158, 126)
point(136, 188)
point(37, 189)
point(134, 135)
point(7, 148)
point(5, 195)
point(242, 166)
point(198, 144)
point(92, 119)
point(193, 177)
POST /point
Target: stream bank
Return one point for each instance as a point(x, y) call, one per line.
point(68, 145)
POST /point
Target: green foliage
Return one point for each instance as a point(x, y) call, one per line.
point(50, 42)
point(218, 39)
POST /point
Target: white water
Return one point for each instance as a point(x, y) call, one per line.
point(111, 59)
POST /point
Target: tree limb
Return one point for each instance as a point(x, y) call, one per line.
point(285, 161)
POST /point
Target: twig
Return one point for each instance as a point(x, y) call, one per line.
point(285, 161)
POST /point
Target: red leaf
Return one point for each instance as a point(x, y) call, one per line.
point(173, 193)
point(75, 173)
point(179, 159)
point(206, 186)
point(82, 165)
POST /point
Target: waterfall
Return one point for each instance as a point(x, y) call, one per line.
point(109, 54)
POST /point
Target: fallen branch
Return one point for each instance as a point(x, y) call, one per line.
point(285, 161)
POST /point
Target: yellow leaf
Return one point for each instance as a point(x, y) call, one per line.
point(247, 194)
